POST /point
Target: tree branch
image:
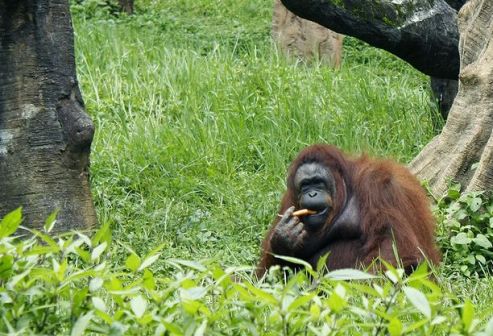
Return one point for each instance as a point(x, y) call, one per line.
point(422, 32)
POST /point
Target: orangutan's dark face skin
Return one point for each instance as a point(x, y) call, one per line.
point(315, 187)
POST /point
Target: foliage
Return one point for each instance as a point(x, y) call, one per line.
point(466, 236)
point(66, 284)
point(94, 9)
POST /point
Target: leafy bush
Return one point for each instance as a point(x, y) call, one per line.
point(466, 235)
point(66, 284)
point(99, 9)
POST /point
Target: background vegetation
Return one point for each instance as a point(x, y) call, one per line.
point(197, 119)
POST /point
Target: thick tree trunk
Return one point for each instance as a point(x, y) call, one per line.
point(421, 32)
point(127, 6)
point(45, 135)
point(305, 39)
point(464, 150)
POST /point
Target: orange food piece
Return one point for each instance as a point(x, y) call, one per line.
point(303, 212)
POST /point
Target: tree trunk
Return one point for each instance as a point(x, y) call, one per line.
point(463, 152)
point(422, 32)
point(127, 6)
point(305, 39)
point(45, 135)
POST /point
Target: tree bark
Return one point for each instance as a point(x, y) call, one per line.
point(422, 32)
point(463, 152)
point(127, 6)
point(45, 135)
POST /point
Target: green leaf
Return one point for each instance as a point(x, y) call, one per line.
point(340, 290)
point(395, 327)
point(85, 239)
point(103, 234)
point(418, 300)
point(336, 303)
point(39, 250)
point(439, 320)
point(47, 239)
point(453, 193)
point(160, 330)
point(10, 222)
point(300, 301)
point(138, 305)
point(60, 273)
point(78, 298)
point(192, 264)
point(481, 259)
point(148, 280)
point(81, 325)
point(476, 203)
point(148, 261)
point(95, 284)
point(116, 328)
point(6, 263)
point(260, 294)
point(200, 331)
point(314, 311)
point(5, 298)
point(322, 262)
point(194, 293)
point(133, 262)
point(395, 275)
point(482, 241)
point(17, 278)
point(467, 314)
point(85, 255)
point(98, 303)
point(415, 326)
point(460, 239)
point(297, 261)
point(349, 274)
point(114, 284)
point(173, 328)
point(50, 221)
point(96, 253)
point(191, 307)
point(419, 273)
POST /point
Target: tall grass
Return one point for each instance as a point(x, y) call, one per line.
point(198, 116)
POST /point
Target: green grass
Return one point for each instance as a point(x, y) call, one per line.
point(198, 117)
